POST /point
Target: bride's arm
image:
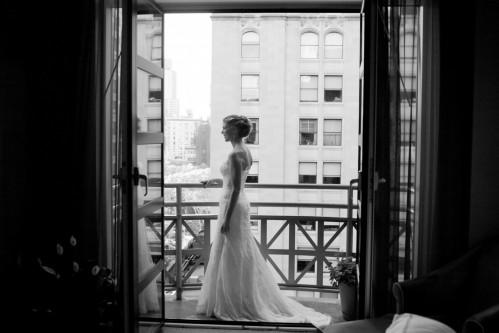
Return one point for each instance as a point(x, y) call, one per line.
point(235, 173)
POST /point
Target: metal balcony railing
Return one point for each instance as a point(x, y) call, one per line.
point(187, 259)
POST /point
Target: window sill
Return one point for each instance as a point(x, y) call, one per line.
point(250, 59)
point(334, 103)
point(309, 103)
point(309, 60)
point(250, 102)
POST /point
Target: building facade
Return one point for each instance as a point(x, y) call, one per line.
point(296, 76)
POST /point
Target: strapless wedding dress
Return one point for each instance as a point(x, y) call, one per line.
point(238, 283)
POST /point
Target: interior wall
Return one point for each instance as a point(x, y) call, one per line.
point(47, 143)
point(484, 200)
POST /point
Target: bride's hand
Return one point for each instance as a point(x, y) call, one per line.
point(225, 228)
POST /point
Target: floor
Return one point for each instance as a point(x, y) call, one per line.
point(185, 309)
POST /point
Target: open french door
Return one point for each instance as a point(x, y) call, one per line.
point(142, 278)
point(389, 113)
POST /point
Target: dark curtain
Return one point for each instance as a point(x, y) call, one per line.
point(49, 139)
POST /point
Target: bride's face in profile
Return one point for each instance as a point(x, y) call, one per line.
point(229, 132)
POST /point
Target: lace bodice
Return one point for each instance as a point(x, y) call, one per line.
point(227, 179)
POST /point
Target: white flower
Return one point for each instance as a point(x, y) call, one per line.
point(60, 249)
point(76, 267)
point(95, 270)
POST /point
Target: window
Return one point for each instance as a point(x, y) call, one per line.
point(155, 92)
point(309, 45)
point(249, 87)
point(301, 264)
point(250, 45)
point(309, 88)
point(332, 132)
point(333, 86)
point(331, 173)
point(307, 173)
point(252, 138)
point(253, 173)
point(302, 261)
point(156, 48)
point(408, 87)
point(307, 224)
point(333, 46)
point(154, 171)
point(154, 125)
point(308, 132)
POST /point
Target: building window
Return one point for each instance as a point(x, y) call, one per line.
point(155, 92)
point(301, 264)
point(307, 224)
point(333, 86)
point(252, 138)
point(333, 46)
point(253, 173)
point(332, 132)
point(309, 88)
point(250, 45)
point(302, 261)
point(307, 173)
point(331, 173)
point(408, 87)
point(154, 171)
point(249, 87)
point(156, 48)
point(309, 45)
point(308, 132)
point(154, 125)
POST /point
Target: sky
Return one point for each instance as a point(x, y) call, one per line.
point(188, 45)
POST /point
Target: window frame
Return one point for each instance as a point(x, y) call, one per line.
point(325, 89)
point(149, 90)
point(243, 43)
point(302, 45)
point(243, 88)
point(257, 131)
point(330, 176)
point(316, 133)
point(324, 132)
point(316, 89)
point(342, 45)
point(257, 174)
point(300, 179)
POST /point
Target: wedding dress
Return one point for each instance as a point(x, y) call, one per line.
point(238, 284)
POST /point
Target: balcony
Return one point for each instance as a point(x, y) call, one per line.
point(297, 235)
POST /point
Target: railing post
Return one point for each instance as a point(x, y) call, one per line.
point(349, 221)
point(207, 241)
point(178, 243)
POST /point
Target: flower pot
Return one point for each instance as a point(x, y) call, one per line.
point(347, 298)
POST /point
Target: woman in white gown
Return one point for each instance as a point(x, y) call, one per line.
point(238, 284)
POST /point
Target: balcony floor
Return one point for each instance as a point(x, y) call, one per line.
point(186, 308)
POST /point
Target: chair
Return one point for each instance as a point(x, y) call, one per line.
point(464, 294)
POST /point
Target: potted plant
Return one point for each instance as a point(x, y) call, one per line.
point(344, 276)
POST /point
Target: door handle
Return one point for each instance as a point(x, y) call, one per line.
point(137, 177)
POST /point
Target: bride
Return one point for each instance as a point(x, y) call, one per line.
point(238, 284)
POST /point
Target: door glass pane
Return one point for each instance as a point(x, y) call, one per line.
point(149, 37)
point(149, 98)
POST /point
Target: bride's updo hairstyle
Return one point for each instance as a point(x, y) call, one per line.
point(241, 123)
